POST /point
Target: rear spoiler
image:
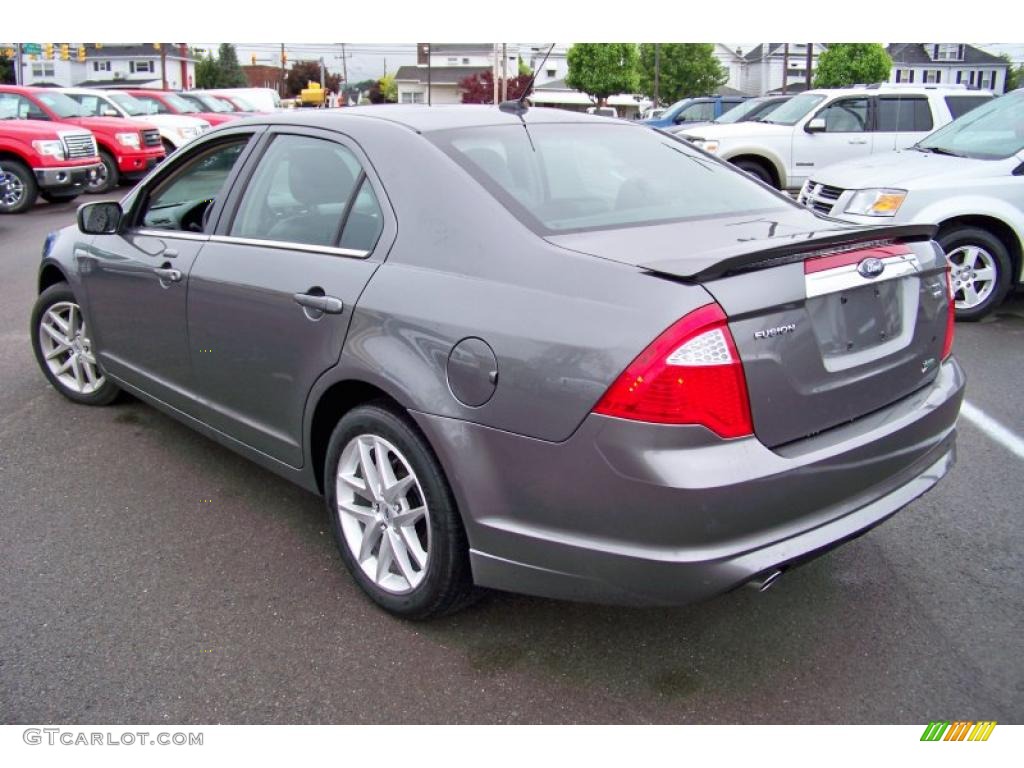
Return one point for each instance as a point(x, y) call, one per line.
point(751, 255)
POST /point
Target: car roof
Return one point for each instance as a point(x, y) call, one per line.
point(422, 118)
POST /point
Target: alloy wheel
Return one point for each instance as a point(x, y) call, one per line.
point(14, 191)
point(974, 275)
point(99, 182)
point(383, 513)
point(67, 349)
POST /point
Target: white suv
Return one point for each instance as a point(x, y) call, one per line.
point(967, 177)
point(822, 127)
point(175, 130)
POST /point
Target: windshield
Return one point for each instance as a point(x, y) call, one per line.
point(753, 106)
point(179, 104)
point(671, 110)
point(993, 131)
point(131, 105)
point(795, 109)
point(570, 177)
point(206, 103)
point(61, 104)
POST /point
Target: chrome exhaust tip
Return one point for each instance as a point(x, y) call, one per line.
point(764, 581)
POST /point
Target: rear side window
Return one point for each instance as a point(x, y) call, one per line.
point(577, 177)
point(902, 114)
point(961, 105)
point(704, 110)
point(305, 190)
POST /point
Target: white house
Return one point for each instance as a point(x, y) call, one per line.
point(765, 63)
point(449, 64)
point(140, 65)
point(556, 67)
point(950, 63)
point(732, 61)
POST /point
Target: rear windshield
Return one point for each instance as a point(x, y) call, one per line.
point(576, 177)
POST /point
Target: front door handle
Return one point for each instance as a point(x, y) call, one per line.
point(328, 304)
point(858, 141)
point(168, 274)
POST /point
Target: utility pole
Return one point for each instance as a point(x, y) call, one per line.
point(429, 77)
point(504, 71)
point(18, 75)
point(810, 63)
point(163, 65)
point(323, 81)
point(281, 87)
point(344, 65)
point(494, 73)
point(657, 74)
point(785, 67)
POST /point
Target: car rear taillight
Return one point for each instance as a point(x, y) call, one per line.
point(947, 344)
point(690, 374)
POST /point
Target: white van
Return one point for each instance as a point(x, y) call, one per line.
point(263, 99)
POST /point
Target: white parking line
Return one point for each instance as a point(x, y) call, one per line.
point(993, 429)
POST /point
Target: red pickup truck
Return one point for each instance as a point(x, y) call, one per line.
point(128, 148)
point(169, 103)
point(55, 160)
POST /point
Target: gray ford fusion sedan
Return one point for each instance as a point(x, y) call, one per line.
point(516, 348)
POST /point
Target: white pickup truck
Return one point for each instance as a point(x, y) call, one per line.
point(822, 127)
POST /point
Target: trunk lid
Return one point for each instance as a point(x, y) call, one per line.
point(831, 324)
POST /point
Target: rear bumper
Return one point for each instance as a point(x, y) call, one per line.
point(66, 177)
point(646, 514)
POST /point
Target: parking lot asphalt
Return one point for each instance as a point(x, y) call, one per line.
point(151, 576)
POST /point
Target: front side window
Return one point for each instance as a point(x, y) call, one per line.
point(154, 106)
point(570, 177)
point(179, 202)
point(307, 190)
point(699, 112)
point(901, 114)
point(846, 115)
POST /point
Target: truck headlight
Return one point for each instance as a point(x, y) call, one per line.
point(128, 140)
point(876, 202)
point(49, 147)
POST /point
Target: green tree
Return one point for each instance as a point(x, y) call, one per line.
point(523, 68)
point(685, 69)
point(231, 74)
point(6, 70)
point(1014, 75)
point(850, 63)
point(207, 72)
point(602, 69)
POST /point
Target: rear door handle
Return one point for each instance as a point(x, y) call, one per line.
point(858, 141)
point(328, 304)
point(170, 275)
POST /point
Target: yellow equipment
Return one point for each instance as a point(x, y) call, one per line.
point(313, 95)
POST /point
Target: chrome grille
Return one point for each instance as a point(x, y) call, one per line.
point(150, 137)
point(78, 145)
point(820, 198)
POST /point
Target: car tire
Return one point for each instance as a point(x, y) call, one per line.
point(58, 197)
point(22, 188)
point(107, 178)
point(168, 147)
point(81, 380)
point(757, 170)
point(981, 270)
point(414, 566)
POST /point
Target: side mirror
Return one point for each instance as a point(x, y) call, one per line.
point(109, 112)
point(815, 125)
point(102, 218)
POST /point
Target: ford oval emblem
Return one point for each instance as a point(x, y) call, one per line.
point(871, 267)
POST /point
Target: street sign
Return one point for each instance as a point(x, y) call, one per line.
point(35, 48)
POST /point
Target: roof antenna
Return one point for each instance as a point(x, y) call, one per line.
point(519, 106)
